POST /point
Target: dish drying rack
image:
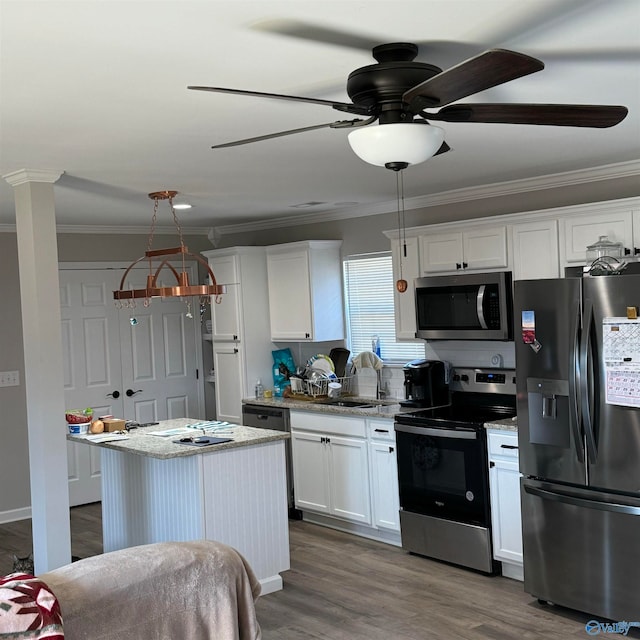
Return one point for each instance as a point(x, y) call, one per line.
point(319, 388)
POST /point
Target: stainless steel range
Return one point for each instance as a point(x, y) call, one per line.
point(443, 470)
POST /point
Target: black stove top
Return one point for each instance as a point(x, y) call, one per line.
point(470, 410)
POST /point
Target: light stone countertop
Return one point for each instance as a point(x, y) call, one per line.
point(142, 444)
point(382, 408)
point(508, 424)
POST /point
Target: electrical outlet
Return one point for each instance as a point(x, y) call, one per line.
point(9, 378)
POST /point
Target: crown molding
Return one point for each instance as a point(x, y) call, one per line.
point(117, 230)
point(23, 176)
point(602, 207)
point(551, 181)
point(493, 190)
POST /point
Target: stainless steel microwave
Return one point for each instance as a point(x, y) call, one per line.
point(469, 306)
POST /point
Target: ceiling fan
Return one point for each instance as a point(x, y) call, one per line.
point(404, 96)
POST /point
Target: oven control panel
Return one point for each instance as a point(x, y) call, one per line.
point(483, 380)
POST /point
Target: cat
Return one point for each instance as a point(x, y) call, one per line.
point(25, 565)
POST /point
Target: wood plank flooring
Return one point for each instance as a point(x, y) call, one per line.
point(342, 587)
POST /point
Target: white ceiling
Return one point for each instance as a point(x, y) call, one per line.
point(97, 89)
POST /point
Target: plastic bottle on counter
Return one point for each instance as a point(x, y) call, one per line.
point(259, 389)
point(375, 345)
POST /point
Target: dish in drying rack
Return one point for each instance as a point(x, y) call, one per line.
point(322, 363)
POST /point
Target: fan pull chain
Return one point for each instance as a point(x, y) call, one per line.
point(399, 220)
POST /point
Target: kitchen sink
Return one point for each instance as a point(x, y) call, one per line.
point(339, 402)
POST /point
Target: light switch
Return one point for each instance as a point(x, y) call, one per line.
point(9, 378)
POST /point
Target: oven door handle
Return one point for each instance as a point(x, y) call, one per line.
point(460, 434)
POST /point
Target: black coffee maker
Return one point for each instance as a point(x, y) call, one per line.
point(425, 384)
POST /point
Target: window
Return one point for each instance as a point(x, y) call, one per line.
point(368, 287)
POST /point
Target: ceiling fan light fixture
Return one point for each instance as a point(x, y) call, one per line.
point(396, 142)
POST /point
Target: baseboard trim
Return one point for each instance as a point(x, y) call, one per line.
point(388, 537)
point(15, 514)
point(270, 584)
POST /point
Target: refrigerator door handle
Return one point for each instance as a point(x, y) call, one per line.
point(574, 395)
point(586, 382)
point(575, 501)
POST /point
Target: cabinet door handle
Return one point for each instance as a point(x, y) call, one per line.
point(391, 449)
point(381, 430)
point(114, 394)
point(636, 251)
point(235, 337)
point(465, 265)
point(508, 446)
point(235, 351)
point(491, 464)
point(307, 335)
point(458, 265)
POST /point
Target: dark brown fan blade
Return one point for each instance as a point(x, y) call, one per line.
point(316, 33)
point(340, 106)
point(339, 124)
point(559, 115)
point(487, 70)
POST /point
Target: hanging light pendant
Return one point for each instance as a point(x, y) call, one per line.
point(159, 260)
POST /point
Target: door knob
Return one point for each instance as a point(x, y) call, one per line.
point(115, 394)
point(131, 392)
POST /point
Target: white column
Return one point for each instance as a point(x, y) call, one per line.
point(43, 377)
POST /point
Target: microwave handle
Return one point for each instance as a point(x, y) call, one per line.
point(480, 306)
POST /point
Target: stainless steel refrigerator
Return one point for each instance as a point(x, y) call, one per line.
point(578, 399)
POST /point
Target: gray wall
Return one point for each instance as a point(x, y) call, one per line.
point(363, 235)
point(14, 454)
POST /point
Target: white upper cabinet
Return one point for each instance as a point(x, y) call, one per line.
point(226, 316)
point(582, 231)
point(305, 291)
point(535, 250)
point(479, 248)
point(404, 303)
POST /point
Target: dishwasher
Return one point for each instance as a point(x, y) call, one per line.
point(254, 415)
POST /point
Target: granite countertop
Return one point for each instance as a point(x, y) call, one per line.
point(508, 424)
point(142, 444)
point(381, 408)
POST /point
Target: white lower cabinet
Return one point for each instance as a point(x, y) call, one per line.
point(384, 474)
point(504, 489)
point(330, 470)
point(345, 473)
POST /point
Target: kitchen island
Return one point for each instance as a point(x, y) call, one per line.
point(157, 490)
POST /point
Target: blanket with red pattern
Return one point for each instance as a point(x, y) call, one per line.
point(28, 609)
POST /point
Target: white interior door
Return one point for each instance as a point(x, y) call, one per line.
point(159, 365)
point(150, 364)
point(92, 371)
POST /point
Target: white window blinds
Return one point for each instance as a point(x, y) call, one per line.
point(368, 286)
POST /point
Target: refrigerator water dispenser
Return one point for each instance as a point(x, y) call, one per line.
point(548, 403)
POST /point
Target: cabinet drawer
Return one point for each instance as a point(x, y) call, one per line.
point(503, 443)
point(326, 423)
point(381, 430)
